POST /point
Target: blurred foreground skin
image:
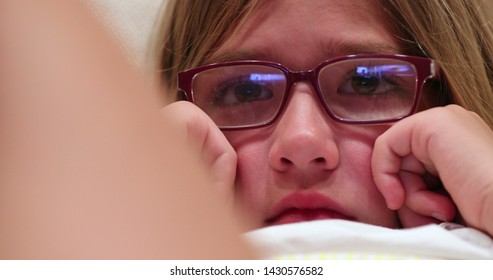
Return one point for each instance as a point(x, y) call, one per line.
point(88, 169)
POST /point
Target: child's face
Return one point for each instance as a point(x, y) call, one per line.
point(307, 166)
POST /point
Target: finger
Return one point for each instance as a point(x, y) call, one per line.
point(391, 153)
point(456, 145)
point(197, 128)
point(385, 165)
point(421, 200)
point(202, 133)
point(410, 219)
point(222, 159)
point(412, 164)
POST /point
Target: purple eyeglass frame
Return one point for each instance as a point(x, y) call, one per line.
point(425, 69)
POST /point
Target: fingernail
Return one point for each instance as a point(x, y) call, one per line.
point(439, 216)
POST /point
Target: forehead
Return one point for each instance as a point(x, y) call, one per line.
point(302, 33)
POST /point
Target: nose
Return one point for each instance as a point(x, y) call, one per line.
point(303, 140)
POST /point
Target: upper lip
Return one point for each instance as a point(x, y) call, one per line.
point(306, 201)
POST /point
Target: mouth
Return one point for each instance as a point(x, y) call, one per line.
point(299, 207)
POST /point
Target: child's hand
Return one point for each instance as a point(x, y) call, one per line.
point(450, 142)
point(201, 132)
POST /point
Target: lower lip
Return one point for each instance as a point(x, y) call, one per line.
point(304, 215)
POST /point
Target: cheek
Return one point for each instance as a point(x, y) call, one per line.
point(356, 146)
point(354, 172)
point(252, 170)
point(354, 166)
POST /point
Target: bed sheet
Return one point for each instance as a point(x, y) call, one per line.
point(340, 239)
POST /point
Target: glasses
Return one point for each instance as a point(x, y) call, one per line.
point(356, 89)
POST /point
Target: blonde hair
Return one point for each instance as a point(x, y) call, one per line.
point(189, 30)
point(457, 34)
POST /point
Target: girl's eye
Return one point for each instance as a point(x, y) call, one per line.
point(240, 91)
point(248, 92)
point(364, 85)
point(369, 85)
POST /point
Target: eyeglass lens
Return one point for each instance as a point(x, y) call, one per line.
point(367, 89)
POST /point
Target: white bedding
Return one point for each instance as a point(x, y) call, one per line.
point(131, 21)
point(339, 239)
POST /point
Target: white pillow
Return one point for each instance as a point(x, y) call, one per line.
point(131, 21)
point(339, 239)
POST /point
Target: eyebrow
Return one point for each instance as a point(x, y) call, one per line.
point(332, 49)
point(238, 55)
point(370, 47)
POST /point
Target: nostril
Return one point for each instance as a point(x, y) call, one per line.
point(286, 161)
point(319, 160)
